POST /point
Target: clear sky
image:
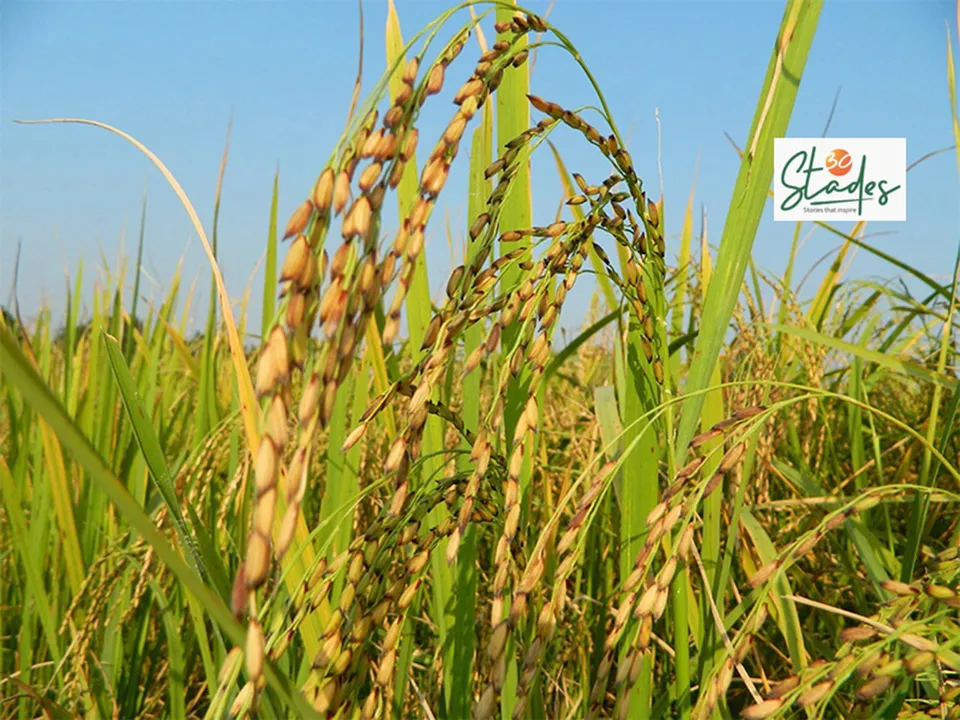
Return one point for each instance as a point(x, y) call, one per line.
point(173, 73)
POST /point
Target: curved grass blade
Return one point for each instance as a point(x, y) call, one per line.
point(248, 406)
point(152, 452)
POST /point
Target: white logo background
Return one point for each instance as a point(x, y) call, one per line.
point(876, 167)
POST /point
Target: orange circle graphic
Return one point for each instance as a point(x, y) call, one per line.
point(838, 162)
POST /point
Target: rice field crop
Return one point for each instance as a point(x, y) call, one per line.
point(698, 507)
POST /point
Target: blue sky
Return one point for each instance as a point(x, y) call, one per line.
point(174, 73)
